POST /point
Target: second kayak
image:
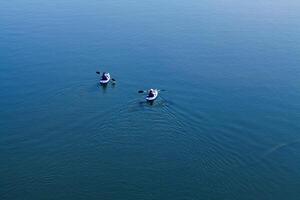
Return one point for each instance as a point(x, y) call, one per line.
point(153, 94)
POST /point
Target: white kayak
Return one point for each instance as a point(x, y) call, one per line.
point(155, 92)
point(107, 80)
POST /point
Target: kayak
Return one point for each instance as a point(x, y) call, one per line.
point(155, 92)
point(107, 80)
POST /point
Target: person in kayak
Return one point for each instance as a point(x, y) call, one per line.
point(104, 76)
point(151, 93)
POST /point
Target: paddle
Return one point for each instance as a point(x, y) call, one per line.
point(113, 81)
point(97, 72)
point(142, 91)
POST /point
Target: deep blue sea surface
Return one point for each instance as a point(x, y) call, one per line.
point(227, 126)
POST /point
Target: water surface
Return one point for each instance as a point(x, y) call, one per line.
point(227, 126)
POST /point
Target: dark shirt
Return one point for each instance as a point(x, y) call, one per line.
point(150, 94)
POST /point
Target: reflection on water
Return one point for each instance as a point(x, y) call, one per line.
point(104, 87)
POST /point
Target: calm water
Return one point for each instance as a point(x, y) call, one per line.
point(228, 126)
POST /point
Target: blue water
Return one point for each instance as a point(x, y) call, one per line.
point(227, 126)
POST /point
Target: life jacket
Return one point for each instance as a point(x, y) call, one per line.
point(151, 94)
point(104, 76)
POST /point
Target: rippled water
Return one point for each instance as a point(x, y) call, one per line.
point(227, 126)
